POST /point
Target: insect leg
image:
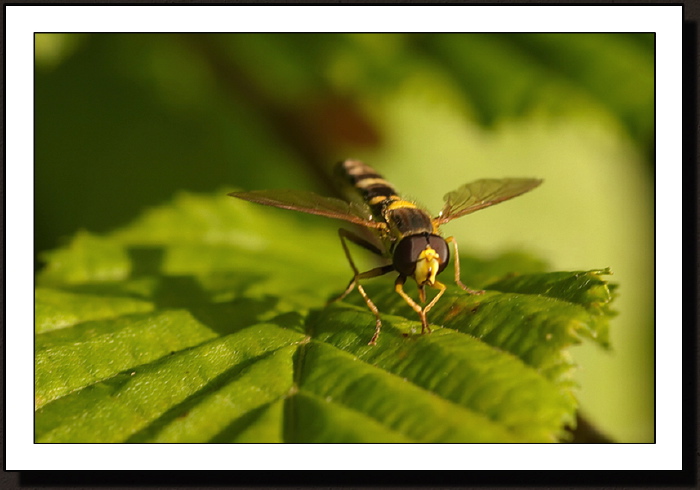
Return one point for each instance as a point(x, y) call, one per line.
point(442, 288)
point(345, 234)
point(457, 272)
point(377, 271)
point(398, 287)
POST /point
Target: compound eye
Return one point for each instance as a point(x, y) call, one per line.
point(409, 249)
point(406, 254)
point(439, 244)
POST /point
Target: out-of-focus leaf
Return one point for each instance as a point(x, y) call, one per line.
point(220, 104)
point(511, 74)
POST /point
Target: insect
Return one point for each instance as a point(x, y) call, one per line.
point(404, 234)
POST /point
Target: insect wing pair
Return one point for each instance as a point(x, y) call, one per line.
point(421, 264)
point(467, 199)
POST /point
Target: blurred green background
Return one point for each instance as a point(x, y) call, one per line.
point(125, 121)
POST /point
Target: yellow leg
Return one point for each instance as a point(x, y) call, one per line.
point(442, 288)
point(375, 311)
point(398, 287)
point(422, 312)
point(457, 271)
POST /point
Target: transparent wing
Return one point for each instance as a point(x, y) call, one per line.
point(482, 194)
point(312, 203)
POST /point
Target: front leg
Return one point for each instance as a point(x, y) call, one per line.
point(398, 287)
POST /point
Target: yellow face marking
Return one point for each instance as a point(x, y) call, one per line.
point(427, 266)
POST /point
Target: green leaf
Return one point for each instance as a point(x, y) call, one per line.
point(186, 396)
point(583, 288)
point(56, 309)
point(203, 321)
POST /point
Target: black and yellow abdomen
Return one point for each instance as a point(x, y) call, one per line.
point(402, 217)
point(373, 188)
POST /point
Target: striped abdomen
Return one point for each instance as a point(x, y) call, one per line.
point(403, 217)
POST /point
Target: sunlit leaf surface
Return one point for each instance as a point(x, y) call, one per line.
point(204, 321)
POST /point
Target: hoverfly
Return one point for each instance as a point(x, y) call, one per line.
point(405, 234)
